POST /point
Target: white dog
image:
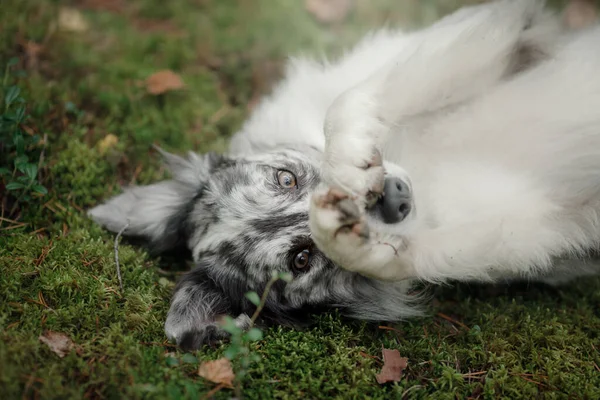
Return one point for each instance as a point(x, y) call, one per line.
point(469, 150)
point(501, 160)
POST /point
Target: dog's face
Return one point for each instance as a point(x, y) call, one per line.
point(243, 220)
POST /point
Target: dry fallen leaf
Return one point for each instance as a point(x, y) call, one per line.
point(328, 11)
point(393, 365)
point(107, 143)
point(217, 371)
point(580, 13)
point(32, 51)
point(163, 81)
point(71, 20)
point(58, 342)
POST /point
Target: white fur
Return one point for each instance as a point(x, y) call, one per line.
point(505, 172)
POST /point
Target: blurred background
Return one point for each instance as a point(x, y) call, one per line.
point(87, 86)
point(94, 56)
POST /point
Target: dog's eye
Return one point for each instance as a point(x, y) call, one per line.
point(286, 179)
point(302, 259)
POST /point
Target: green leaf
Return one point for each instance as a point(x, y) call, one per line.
point(20, 161)
point(286, 276)
point(13, 61)
point(253, 297)
point(14, 186)
point(172, 361)
point(189, 359)
point(231, 352)
point(191, 391)
point(19, 143)
point(254, 335)
point(39, 189)
point(31, 171)
point(20, 114)
point(230, 326)
point(11, 95)
point(4, 171)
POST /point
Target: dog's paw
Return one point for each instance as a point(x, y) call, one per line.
point(338, 226)
point(361, 175)
point(335, 215)
point(353, 158)
point(192, 335)
point(340, 230)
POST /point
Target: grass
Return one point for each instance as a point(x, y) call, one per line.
point(57, 268)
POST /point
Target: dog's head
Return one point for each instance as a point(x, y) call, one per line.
point(244, 219)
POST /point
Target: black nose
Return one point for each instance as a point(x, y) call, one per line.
point(395, 203)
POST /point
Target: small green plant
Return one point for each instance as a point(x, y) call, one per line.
point(239, 350)
point(20, 158)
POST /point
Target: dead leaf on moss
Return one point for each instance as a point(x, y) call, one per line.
point(580, 13)
point(163, 81)
point(58, 342)
point(217, 371)
point(107, 143)
point(71, 20)
point(32, 52)
point(329, 11)
point(393, 365)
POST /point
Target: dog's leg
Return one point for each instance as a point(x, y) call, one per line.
point(520, 240)
point(196, 307)
point(452, 61)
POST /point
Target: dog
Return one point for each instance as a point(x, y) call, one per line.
point(468, 151)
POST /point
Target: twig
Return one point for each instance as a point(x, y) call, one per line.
point(213, 391)
point(452, 320)
point(117, 255)
point(531, 380)
point(389, 328)
point(263, 299)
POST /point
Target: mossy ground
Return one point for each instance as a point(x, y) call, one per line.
point(57, 268)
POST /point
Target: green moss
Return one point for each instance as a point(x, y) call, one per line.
point(77, 169)
point(58, 271)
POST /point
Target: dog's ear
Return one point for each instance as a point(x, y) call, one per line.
point(159, 212)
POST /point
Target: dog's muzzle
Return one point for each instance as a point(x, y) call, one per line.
point(396, 202)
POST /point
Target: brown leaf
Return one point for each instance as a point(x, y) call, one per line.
point(32, 52)
point(580, 13)
point(71, 20)
point(163, 81)
point(58, 342)
point(393, 365)
point(217, 371)
point(329, 11)
point(107, 143)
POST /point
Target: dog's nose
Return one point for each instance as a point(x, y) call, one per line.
point(395, 204)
